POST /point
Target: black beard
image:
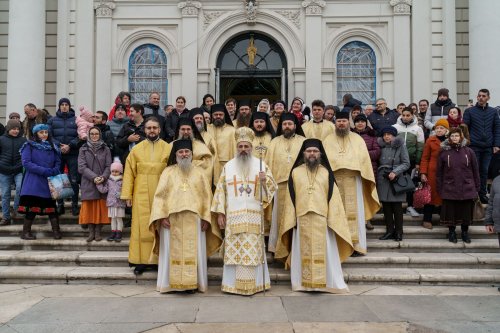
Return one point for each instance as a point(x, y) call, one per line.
point(243, 120)
point(153, 138)
point(288, 133)
point(218, 122)
point(343, 132)
point(260, 133)
point(187, 137)
point(312, 164)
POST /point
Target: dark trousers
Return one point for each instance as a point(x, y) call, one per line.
point(74, 177)
point(429, 210)
point(393, 216)
point(483, 156)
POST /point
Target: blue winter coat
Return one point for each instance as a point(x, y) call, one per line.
point(484, 126)
point(63, 129)
point(38, 164)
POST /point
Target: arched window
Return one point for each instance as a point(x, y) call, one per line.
point(147, 73)
point(356, 72)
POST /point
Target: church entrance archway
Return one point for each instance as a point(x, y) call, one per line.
point(251, 66)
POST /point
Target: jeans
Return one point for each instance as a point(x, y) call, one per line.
point(6, 182)
point(483, 156)
point(74, 177)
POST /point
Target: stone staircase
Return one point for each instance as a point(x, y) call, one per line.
point(423, 257)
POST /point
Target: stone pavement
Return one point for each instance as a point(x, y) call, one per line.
point(138, 308)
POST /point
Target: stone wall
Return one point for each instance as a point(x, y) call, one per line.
point(462, 19)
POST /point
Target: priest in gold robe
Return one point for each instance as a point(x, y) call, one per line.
point(264, 133)
point(280, 158)
point(181, 222)
point(245, 187)
point(196, 114)
point(316, 221)
point(143, 168)
point(222, 131)
point(351, 163)
point(317, 128)
point(243, 114)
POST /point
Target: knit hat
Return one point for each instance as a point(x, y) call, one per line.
point(14, 115)
point(13, 123)
point(443, 92)
point(116, 165)
point(442, 122)
point(64, 100)
point(389, 129)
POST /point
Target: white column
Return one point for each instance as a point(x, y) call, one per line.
point(84, 71)
point(484, 48)
point(402, 51)
point(450, 48)
point(103, 96)
point(62, 84)
point(421, 50)
point(189, 51)
point(313, 28)
point(26, 55)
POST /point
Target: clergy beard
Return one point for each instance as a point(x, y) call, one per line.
point(288, 133)
point(190, 136)
point(312, 164)
point(243, 163)
point(153, 138)
point(218, 122)
point(260, 133)
point(243, 120)
point(184, 164)
point(342, 132)
point(200, 127)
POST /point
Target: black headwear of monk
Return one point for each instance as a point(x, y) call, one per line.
point(289, 116)
point(197, 111)
point(177, 145)
point(308, 143)
point(241, 103)
point(219, 108)
point(264, 116)
point(188, 122)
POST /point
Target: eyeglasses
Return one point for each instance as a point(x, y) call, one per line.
point(151, 127)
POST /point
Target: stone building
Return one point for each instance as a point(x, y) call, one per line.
point(89, 50)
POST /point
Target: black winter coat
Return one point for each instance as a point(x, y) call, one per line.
point(10, 157)
point(63, 130)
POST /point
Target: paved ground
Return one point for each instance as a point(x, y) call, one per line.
point(125, 308)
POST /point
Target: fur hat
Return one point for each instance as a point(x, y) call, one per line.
point(116, 165)
point(442, 122)
point(86, 114)
point(14, 114)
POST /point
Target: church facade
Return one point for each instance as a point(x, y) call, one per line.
point(401, 50)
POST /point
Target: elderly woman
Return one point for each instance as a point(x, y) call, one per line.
point(94, 161)
point(40, 159)
point(457, 184)
point(393, 162)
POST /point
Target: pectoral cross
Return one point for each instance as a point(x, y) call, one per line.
point(184, 186)
point(310, 188)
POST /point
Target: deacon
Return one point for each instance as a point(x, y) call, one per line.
point(264, 133)
point(196, 114)
point(316, 223)
point(242, 118)
point(222, 131)
point(143, 168)
point(280, 158)
point(317, 128)
point(349, 159)
point(181, 222)
point(241, 194)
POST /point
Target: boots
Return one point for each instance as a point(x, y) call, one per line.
point(112, 237)
point(465, 234)
point(118, 237)
point(387, 235)
point(26, 234)
point(91, 233)
point(98, 237)
point(56, 230)
point(452, 236)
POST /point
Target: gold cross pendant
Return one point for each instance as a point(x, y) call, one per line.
point(184, 187)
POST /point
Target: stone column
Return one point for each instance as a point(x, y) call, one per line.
point(189, 51)
point(450, 48)
point(62, 84)
point(402, 51)
point(484, 48)
point(26, 55)
point(84, 57)
point(103, 94)
point(421, 50)
point(313, 29)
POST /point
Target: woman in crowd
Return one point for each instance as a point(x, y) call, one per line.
point(428, 168)
point(279, 108)
point(264, 106)
point(296, 108)
point(123, 98)
point(94, 161)
point(455, 120)
point(41, 159)
point(208, 101)
point(457, 184)
point(393, 162)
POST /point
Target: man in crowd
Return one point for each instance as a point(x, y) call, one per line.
point(152, 108)
point(222, 131)
point(118, 120)
point(100, 121)
point(382, 116)
point(231, 108)
point(439, 109)
point(63, 131)
point(143, 168)
point(244, 183)
point(316, 223)
point(33, 117)
point(196, 114)
point(172, 119)
point(368, 110)
point(423, 105)
point(243, 115)
point(181, 222)
point(349, 159)
point(132, 132)
point(317, 128)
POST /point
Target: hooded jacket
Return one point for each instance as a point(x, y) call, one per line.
point(63, 130)
point(413, 138)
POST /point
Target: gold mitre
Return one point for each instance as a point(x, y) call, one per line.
point(244, 134)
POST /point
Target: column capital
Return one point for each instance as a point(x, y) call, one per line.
point(104, 8)
point(401, 7)
point(189, 8)
point(314, 7)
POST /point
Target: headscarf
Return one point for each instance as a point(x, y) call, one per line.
point(94, 146)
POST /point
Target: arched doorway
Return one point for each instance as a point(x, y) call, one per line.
point(251, 66)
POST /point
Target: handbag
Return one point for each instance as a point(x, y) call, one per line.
point(478, 212)
point(422, 195)
point(403, 184)
point(60, 187)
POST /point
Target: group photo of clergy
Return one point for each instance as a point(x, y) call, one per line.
point(242, 179)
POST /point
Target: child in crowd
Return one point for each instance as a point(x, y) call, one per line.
point(85, 121)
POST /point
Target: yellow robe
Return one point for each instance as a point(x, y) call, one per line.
point(265, 141)
point(143, 167)
point(318, 130)
point(226, 146)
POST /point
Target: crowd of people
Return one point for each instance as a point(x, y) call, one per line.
point(223, 176)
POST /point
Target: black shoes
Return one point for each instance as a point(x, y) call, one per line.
point(398, 237)
point(452, 237)
point(112, 237)
point(60, 209)
point(75, 210)
point(465, 237)
point(483, 199)
point(388, 235)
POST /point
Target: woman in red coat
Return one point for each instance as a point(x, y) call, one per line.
point(428, 168)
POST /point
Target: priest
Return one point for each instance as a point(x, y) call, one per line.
point(243, 114)
point(349, 159)
point(318, 128)
point(241, 193)
point(264, 133)
point(316, 222)
point(181, 222)
point(196, 114)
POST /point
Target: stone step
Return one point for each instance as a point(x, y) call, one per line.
point(124, 275)
point(371, 260)
point(407, 245)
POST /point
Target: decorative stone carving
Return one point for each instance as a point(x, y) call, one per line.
point(189, 8)
point(104, 8)
point(292, 15)
point(209, 17)
point(401, 7)
point(314, 7)
point(250, 10)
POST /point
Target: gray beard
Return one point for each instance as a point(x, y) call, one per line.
point(312, 165)
point(218, 122)
point(243, 163)
point(342, 132)
point(184, 164)
point(180, 137)
point(200, 127)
